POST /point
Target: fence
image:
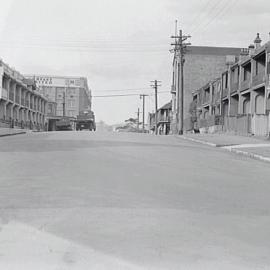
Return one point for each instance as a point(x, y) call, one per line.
point(239, 124)
point(258, 125)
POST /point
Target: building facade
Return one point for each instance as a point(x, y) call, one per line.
point(164, 115)
point(21, 105)
point(70, 94)
point(242, 98)
point(201, 64)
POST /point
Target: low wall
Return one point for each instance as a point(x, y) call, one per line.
point(258, 125)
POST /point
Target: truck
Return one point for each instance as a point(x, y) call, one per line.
point(86, 120)
point(64, 123)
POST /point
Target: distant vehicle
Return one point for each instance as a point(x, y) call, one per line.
point(86, 120)
point(64, 123)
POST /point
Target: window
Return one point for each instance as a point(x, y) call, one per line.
point(71, 113)
point(71, 103)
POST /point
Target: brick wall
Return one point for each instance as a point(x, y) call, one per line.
point(202, 64)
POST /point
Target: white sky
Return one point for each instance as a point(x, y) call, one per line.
point(120, 44)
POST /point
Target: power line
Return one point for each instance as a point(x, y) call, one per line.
point(122, 90)
point(216, 14)
point(209, 15)
point(127, 95)
point(86, 48)
point(222, 12)
point(199, 15)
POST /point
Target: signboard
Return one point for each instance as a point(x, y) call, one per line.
point(57, 81)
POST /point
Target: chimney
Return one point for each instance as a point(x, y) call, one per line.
point(251, 49)
point(244, 53)
point(257, 41)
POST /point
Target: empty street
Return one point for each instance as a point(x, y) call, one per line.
point(85, 200)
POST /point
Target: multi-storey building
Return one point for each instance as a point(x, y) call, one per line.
point(70, 94)
point(21, 105)
point(201, 65)
point(163, 119)
point(243, 98)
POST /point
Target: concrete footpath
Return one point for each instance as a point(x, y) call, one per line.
point(11, 131)
point(256, 148)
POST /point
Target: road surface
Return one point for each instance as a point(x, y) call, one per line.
point(82, 200)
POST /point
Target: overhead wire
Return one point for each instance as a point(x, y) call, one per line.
point(222, 9)
point(196, 19)
point(123, 90)
point(221, 14)
point(210, 14)
point(125, 95)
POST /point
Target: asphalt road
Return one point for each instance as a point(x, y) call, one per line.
point(82, 200)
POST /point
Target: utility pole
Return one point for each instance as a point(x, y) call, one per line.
point(138, 119)
point(143, 113)
point(155, 86)
point(180, 50)
point(64, 104)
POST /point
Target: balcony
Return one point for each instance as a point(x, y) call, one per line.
point(27, 103)
point(258, 79)
point(206, 99)
point(17, 99)
point(31, 105)
point(245, 85)
point(163, 119)
point(4, 94)
point(23, 102)
point(216, 98)
point(11, 96)
point(234, 87)
point(225, 92)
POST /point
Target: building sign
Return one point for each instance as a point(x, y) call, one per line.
point(57, 81)
point(43, 80)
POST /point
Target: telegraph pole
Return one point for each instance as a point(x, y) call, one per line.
point(180, 50)
point(138, 119)
point(143, 113)
point(155, 86)
point(64, 104)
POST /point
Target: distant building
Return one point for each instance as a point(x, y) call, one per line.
point(164, 115)
point(21, 104)
point(201, 65)
point(70, 94)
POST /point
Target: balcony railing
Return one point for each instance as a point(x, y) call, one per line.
point(17, 99)
point(164, 119)
point(206, 99)
point(258, 79)
point(11, 96)
point(225, 92)
point(245, 85)
point(216, 98)
point(234, 87)
point(4, 93)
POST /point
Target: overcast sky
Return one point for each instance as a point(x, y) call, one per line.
point(120, 44)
